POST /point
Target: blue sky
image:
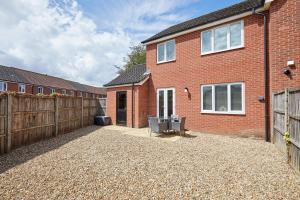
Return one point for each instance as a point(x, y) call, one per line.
point(82, 40)
point(180, 11)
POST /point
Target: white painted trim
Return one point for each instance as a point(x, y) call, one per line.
point(126, 85)
point(165, 90)
point(229, 112)
point(4, 86)
point(165, 52)
point(265, 7)
point(42, 89)
point(22, 86)
point(228, 38)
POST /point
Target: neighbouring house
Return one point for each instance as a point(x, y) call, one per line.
point(218, 70)
point(23, 81)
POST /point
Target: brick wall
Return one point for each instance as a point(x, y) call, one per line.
point(284, 43)
point(112, 103)
point(192, 70)
point(140, 104)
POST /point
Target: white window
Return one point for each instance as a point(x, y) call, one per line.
point(63, 91)
point(72, 93)
point(40, 90)
point(3, 86)
point(22, 88)
point(223, 98)
point(80, 94)
point(86, 95)
point(52, 91)
point(166, 51)
point(222, 38)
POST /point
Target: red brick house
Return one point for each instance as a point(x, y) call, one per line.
point(23, 81)
point(218, 70)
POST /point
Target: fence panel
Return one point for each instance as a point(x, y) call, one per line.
point(69, 109)
point(286, 117)
point(32, 119)
point(25, 119)
point(279, 120)
point(102, 106)
point(294, 127)
point(3, 122)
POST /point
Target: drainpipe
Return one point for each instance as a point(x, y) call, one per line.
point(132, 106)
point(266, 76)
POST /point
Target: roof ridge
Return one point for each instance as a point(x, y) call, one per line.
point(209, 17)
point(67, 83)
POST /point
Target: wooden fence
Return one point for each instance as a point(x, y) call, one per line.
point(286, 118)
point(25, 119)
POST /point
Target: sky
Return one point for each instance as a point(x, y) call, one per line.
point(82, 40)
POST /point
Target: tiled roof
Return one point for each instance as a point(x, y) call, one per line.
point(135, 74)
point(230, 11)
point(28, 77)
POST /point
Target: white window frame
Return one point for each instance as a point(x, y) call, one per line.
point(4, 86)
point(80, 94)
point(228, 38)
point(52, 90)
point(72, 93)
point(165, 101)
point(21, 88)
point(64, 92)
point(42, 90)
point(230, 112)
point(165, 52)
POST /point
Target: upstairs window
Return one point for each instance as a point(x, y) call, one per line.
point(40, 90)
point(3, 86)
point(226, 37)
point(52, 91)
point(166, 51)
point(80, 94)
point(223, 98)
point(22, 88)
point(63, 92)
point(72, 93)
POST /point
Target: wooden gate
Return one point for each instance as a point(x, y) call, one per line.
point(286, 118)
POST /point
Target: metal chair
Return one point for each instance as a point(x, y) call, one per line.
point(178, 125)
point(157, 126)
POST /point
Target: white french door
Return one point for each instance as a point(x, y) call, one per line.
point(165, 102)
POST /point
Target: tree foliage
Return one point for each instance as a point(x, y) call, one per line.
point(137, 55)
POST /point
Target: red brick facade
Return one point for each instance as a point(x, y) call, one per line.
point(284, 43)
point(140, 102)
point(191, 70)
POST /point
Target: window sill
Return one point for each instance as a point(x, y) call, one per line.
point(162, 62)
point(223, 113)
point(214, 52)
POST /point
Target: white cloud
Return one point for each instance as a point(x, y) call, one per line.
point(57, 37)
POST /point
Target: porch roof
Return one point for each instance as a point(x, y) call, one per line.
point(135, 74)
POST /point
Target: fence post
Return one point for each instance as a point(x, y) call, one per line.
point(56, 115)
point(286, 110)
point(82, 112)
point(9, 117)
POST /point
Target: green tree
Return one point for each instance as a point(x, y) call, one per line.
point(137, 55)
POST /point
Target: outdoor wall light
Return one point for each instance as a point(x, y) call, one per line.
point(186, 90)
point(287, 71)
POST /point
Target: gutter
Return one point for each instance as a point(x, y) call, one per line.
point(266, 76)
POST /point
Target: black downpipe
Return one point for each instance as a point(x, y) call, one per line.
point(266, 76)
point(132, 106)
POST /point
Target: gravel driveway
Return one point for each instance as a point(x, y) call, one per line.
point(103, 163)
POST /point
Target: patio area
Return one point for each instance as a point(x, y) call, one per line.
point(122, 163)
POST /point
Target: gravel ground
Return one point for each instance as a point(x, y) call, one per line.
point(99, 163)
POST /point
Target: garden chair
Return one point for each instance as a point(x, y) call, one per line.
point(177, 125)
point(157, 126)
